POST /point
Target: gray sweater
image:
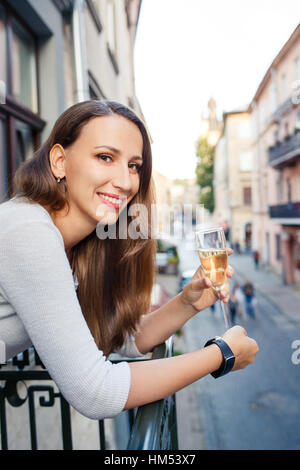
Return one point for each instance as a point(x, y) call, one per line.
point(39, 307)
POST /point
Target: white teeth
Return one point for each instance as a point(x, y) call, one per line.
point(111, 199)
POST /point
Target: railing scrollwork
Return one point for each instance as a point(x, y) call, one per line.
point(151, 426)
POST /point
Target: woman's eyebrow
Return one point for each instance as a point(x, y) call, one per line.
point(113, 149)
point(118, 152)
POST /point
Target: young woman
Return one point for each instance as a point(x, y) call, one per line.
point(76, 296)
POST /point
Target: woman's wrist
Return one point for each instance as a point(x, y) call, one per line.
point(218, 356)
point(188, 309)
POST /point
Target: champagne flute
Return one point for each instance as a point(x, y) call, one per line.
point(211, 245)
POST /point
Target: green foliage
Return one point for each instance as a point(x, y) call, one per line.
point(205, 172)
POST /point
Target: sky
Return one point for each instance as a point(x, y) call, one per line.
point(188, 51)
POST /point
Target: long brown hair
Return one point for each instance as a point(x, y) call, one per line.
point(115, 275)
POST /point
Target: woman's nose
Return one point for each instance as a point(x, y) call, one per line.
point(122, 179)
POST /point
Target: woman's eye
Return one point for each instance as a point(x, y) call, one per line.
point(105, 158)
point(135, 167)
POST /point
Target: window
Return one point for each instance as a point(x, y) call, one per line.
point(278, 246)
point(297, 69)
point(111, 26)
point(25, 142)
point(20, 124)
point(24, 80)
point(289, 190)
point(95, 90)
point(245, 161)
point(279, 186)
point(273, 97)
point(111, 35)
point(297, 126)
point(3, 162)
point(286, 128)
point(93, 6)
point(284, 91)
point(2, 46)
point(247, 196)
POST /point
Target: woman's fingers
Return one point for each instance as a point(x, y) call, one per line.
point(230, 271)
point(201, 283)
point(224, 293)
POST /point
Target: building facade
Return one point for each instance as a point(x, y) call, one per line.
point(233, 178)
point(53, 54)
point(275, 112)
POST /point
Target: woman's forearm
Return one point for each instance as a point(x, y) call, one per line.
point(157, 326)
point(156, 379)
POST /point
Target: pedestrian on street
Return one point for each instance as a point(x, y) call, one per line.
point(249, 298)
point(237, 247)
point(256, 259)
point(239, 298)
point(76, 284)
point(233, 306)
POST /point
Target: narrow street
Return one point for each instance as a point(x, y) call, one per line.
point(255, 408)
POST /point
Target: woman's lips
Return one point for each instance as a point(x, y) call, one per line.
point(111, 200)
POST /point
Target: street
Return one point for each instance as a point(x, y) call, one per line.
point(255, 408)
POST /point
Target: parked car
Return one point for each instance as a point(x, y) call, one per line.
point(162, 261)
point(166, 257)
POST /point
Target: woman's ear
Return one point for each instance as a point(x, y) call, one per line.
point(57, 158)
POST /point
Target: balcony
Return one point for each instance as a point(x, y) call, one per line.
point(286, 152)
point(149, 427)
point(287, 214)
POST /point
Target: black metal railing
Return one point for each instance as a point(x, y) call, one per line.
point(285, 152)
point(152, 426)
point(285, 211)
point(155, 424)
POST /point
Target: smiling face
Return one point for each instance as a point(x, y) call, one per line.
point(102, 168)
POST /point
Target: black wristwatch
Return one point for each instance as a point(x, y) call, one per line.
point(228, 356)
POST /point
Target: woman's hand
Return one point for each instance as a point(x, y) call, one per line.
point(199, 292)
point(243, 347)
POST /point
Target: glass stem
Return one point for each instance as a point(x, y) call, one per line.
point(225, 315)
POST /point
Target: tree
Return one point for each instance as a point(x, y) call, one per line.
point(205, 172)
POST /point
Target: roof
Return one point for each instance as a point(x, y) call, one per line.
point(282, 53)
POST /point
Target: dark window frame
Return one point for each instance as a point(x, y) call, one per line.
point(113, 59)
point(13, 110)
point(95, 15)
point(95, 88)
point(112, 54)
point(278, 246)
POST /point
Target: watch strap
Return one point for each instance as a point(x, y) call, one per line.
point(228, 357)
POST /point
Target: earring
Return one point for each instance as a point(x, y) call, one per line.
point(58, 180)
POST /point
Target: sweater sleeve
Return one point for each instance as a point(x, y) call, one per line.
point(37, 279)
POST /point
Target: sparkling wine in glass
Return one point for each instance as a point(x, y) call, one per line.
point(212, 251)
